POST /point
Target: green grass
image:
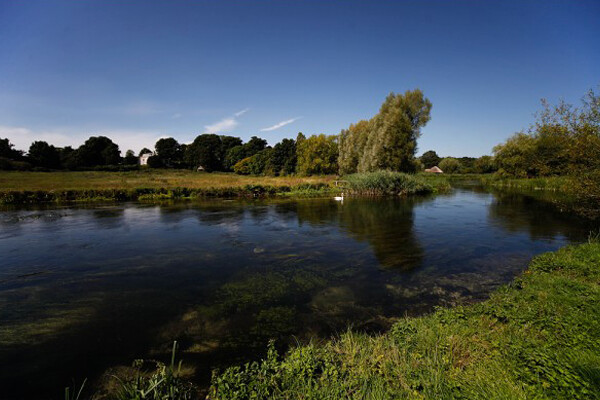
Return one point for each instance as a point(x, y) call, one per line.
point(43, 187)
point(381, 183)
point(538, 338)
point(39, 187)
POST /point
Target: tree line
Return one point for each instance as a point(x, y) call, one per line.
point(564, 139)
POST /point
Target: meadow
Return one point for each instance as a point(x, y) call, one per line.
point(149, 178)
point(159, 184)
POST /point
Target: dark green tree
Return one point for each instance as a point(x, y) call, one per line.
point(283, 158)
point(233, 156)
point(227, 143)
point(41, 154)
point(130, 158)
point(430, 159)
point(254, 145)
point(204, 152)
point(98, 151)
point(485, 165)
point(7, 150)
point(169, 153)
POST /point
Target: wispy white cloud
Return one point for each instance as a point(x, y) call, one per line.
point(176, 116)
point(240, 113)
point(226, 124)
point(280, 124)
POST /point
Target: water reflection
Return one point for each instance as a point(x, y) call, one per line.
point(86, 288)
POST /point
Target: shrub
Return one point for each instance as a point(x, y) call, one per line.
point(386, 183)
point(450, 165)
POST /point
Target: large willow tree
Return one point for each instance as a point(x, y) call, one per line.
point(389, 139)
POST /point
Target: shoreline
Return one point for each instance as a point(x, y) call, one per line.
point(535, 337)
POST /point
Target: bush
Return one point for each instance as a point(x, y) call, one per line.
point(450, 165)
point(386, 183)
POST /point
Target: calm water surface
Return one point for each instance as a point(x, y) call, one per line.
point(85, 289)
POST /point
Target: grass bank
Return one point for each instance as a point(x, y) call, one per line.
point(538, 337)
point(153, 184)
point(37, 187)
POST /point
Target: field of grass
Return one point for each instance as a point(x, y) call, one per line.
point(538, 338)
point(40, 187)
point(151, 178)
point(43, 187)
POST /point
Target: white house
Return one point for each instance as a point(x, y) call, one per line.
point(144, 158)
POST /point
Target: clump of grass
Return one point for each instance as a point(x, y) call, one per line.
point(74, 394)
point(165, 383)
point(380, 183)
point(536, 338)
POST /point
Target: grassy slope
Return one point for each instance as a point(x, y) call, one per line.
point(536, 338)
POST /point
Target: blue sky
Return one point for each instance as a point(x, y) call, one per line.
point(140, 70)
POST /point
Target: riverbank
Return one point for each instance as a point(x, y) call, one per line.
point(150, 184)
point(154, 184)
point(535, 338)
point(577, 194)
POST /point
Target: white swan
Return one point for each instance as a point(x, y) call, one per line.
point(339, 198)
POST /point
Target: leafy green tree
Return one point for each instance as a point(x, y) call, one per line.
point(450, 165)
point(98, 151)
point(254, 145)
point(41, 154)
point(168, 153)
point(485, 165)
point(7, 150)
point(130, 158)
point(242, 167)
point(467, 165)
point(155, 162)
point(352, 143)
point(283, 159)
point(396, 128)
point(236, 153)
point(564, 139)
point(318, 155)
point(233, 156)
point(68, 157)
point(227, 143)
point(389, 139)
point(430, 159)
point(204, 152)
point(145, 150)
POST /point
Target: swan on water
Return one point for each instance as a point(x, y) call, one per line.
point(339, 198)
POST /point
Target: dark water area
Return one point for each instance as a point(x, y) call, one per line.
point(84, 289)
